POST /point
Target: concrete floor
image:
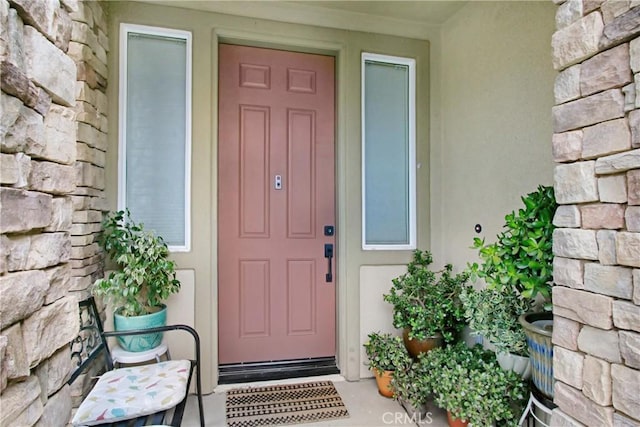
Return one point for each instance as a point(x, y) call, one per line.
point(366, 407)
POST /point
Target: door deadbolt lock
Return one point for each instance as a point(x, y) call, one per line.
point(277, 182)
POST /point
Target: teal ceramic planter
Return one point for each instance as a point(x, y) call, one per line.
point(137, 343)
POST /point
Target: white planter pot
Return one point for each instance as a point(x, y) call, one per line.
point(518, 364)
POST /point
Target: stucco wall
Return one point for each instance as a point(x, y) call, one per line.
point(210, 28)
point(375, 314)
point(484, 95)
point(497, 94)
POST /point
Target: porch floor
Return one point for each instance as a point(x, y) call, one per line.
point(366, 407)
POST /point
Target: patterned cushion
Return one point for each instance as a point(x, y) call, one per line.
point(127, 393)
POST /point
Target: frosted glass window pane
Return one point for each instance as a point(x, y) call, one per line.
point(386, 179)
point(156, 134)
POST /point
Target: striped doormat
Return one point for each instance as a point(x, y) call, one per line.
point(284, 404)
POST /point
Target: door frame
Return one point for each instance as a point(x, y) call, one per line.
point(337, 50)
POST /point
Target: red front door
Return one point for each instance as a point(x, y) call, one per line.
point(275, 197)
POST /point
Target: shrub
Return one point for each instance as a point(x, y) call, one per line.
point(428, 302)
point(469, 383)
point(385, 352)
point(146, 276)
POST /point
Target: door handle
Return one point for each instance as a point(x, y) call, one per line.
point(328, 254)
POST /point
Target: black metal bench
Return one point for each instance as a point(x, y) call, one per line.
point(133, 396)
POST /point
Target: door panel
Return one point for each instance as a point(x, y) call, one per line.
point(254, 171)
point(275, 195)
point(255, 311)
point(301, 159)
point(300, 298)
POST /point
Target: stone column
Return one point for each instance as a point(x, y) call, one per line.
point(88, 48)
point(45, 191)
point(596, 145)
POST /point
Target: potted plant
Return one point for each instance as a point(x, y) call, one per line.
point(538, 327)
point(522, 256)
point(471, 386)
point(519, 267)
point(426, 303)
point(385, 352)
point(410, 386)
point(145, 279)
point(493, 313)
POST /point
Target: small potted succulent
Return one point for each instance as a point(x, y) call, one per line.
point(426, 304)
point(385, 352)
point(471, 386)
point(145, 279)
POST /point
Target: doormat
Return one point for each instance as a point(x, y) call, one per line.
point(284, 404)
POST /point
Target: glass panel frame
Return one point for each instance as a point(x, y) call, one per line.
point(408, 242)
point(125, 31)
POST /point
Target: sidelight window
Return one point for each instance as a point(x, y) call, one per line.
point(155, 130)
point(388, 153)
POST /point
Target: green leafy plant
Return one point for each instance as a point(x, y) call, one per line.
point(469, 383)
point(385, 352)
point(517, 269)
point(411, 382)
point(522, 256)
point(146, 277)
point(493, 313)
point(427, 302)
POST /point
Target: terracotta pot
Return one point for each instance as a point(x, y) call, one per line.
point(456, 422)
point(415, 347)
point(384, 382)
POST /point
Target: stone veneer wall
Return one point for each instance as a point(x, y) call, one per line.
point(596, 145)
point(52, 132)
point(88, 48)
